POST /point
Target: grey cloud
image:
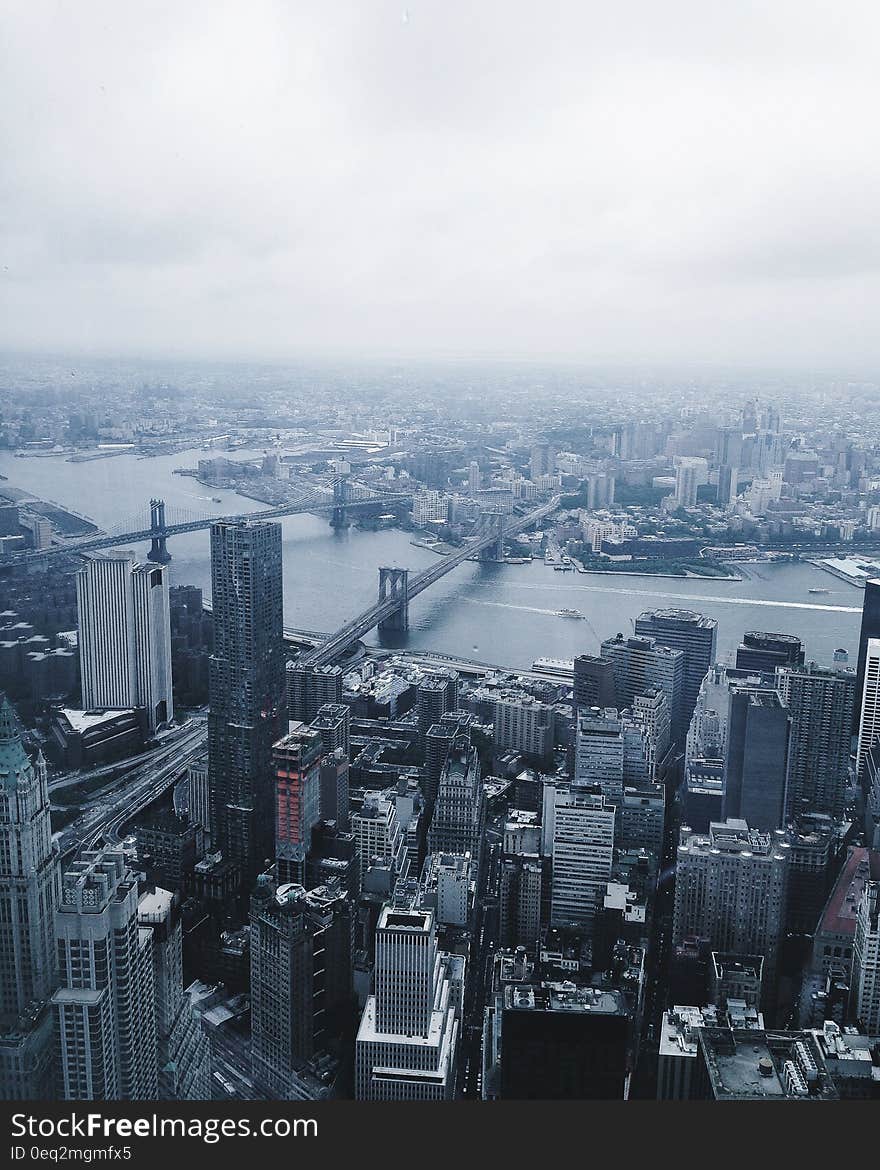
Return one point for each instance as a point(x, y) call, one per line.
point(628, 182)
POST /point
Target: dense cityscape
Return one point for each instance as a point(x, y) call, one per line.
point(278, 823)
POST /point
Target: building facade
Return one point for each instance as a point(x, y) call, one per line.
point(246, 690)
point(125, 636)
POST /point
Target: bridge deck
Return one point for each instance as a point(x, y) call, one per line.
point(366, 621)
point(112, 540)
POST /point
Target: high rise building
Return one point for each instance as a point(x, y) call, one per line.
point(695, 635)
point(296, 759)
point(105, 1016)
point(334, 800)
point(820, 702)
point(408, 1036)
point(332, 723)
point(520, 901)
point(125, 635)
point(524, 724)
point(872, 798)
point(446, 886)
point(756, 758)
point(580, 826)
point(690, 474)
point(183, 1054)
point(199, 794)
point(730, 888)
point(246, 690)
point(436, 694)
point(765, 652)
point(542, 461)
point(438, 740)
point(309, 688)
point(474, 478)
point(611, 752)
point(651, 712)
point(563, 1042)
point(378, 837)
point(643, 664)
point(869, 707)
point(30, 879)
point(301, 979)
point(459, 811)
point(729, 456)
point(593, 682)
point(866, 961)
point(870, 628)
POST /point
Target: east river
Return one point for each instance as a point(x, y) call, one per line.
point(505, 614)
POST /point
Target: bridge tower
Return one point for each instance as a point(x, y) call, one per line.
point(394, 583)
point(341, 493)
point(158, 548)
point(491, 522)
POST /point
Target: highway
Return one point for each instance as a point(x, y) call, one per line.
point(104, 819)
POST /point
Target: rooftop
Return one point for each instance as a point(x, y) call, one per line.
point(564, 997)
point(842, 908)
point(751, 1064)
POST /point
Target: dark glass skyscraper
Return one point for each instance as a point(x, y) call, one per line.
point(756, 759)
point(762, 651)
point(870, 629)
point(246, 686)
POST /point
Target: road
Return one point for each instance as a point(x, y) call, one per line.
point(479, 977)
point(106, 818)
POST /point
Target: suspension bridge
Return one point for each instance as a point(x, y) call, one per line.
point(157, 522)
point(397, 588)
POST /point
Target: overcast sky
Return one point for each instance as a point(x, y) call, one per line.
point(634, 181)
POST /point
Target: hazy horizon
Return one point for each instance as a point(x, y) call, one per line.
point(554, 183)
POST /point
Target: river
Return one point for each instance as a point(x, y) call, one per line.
point(496, 613)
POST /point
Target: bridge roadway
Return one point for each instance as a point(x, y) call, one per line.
point(366, 621)
point(295, 507)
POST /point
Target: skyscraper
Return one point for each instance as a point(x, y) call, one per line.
point(436, 695)
point(870, 628)
point(869, 716)
point(756, 758)
point(30, 880)
point(690, 473)
point(643, 664)
point(301, 978)
point(581, 829)
point(563, 1042)
point(105, 1016)
point(611, 752)
point(296, 759)
point(332, 723)
point(729, 455)
point(125, 635)
point(309, 688)
point(730, 888)
point(866, 961)
point(246, 683)
point(438, 740)
point(695, 635)
point(408, 1037)
point(183, 1055)
point(820, 702)
point(459, 811)
point(762, 651)
point(593, 682)
point(520, 901)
